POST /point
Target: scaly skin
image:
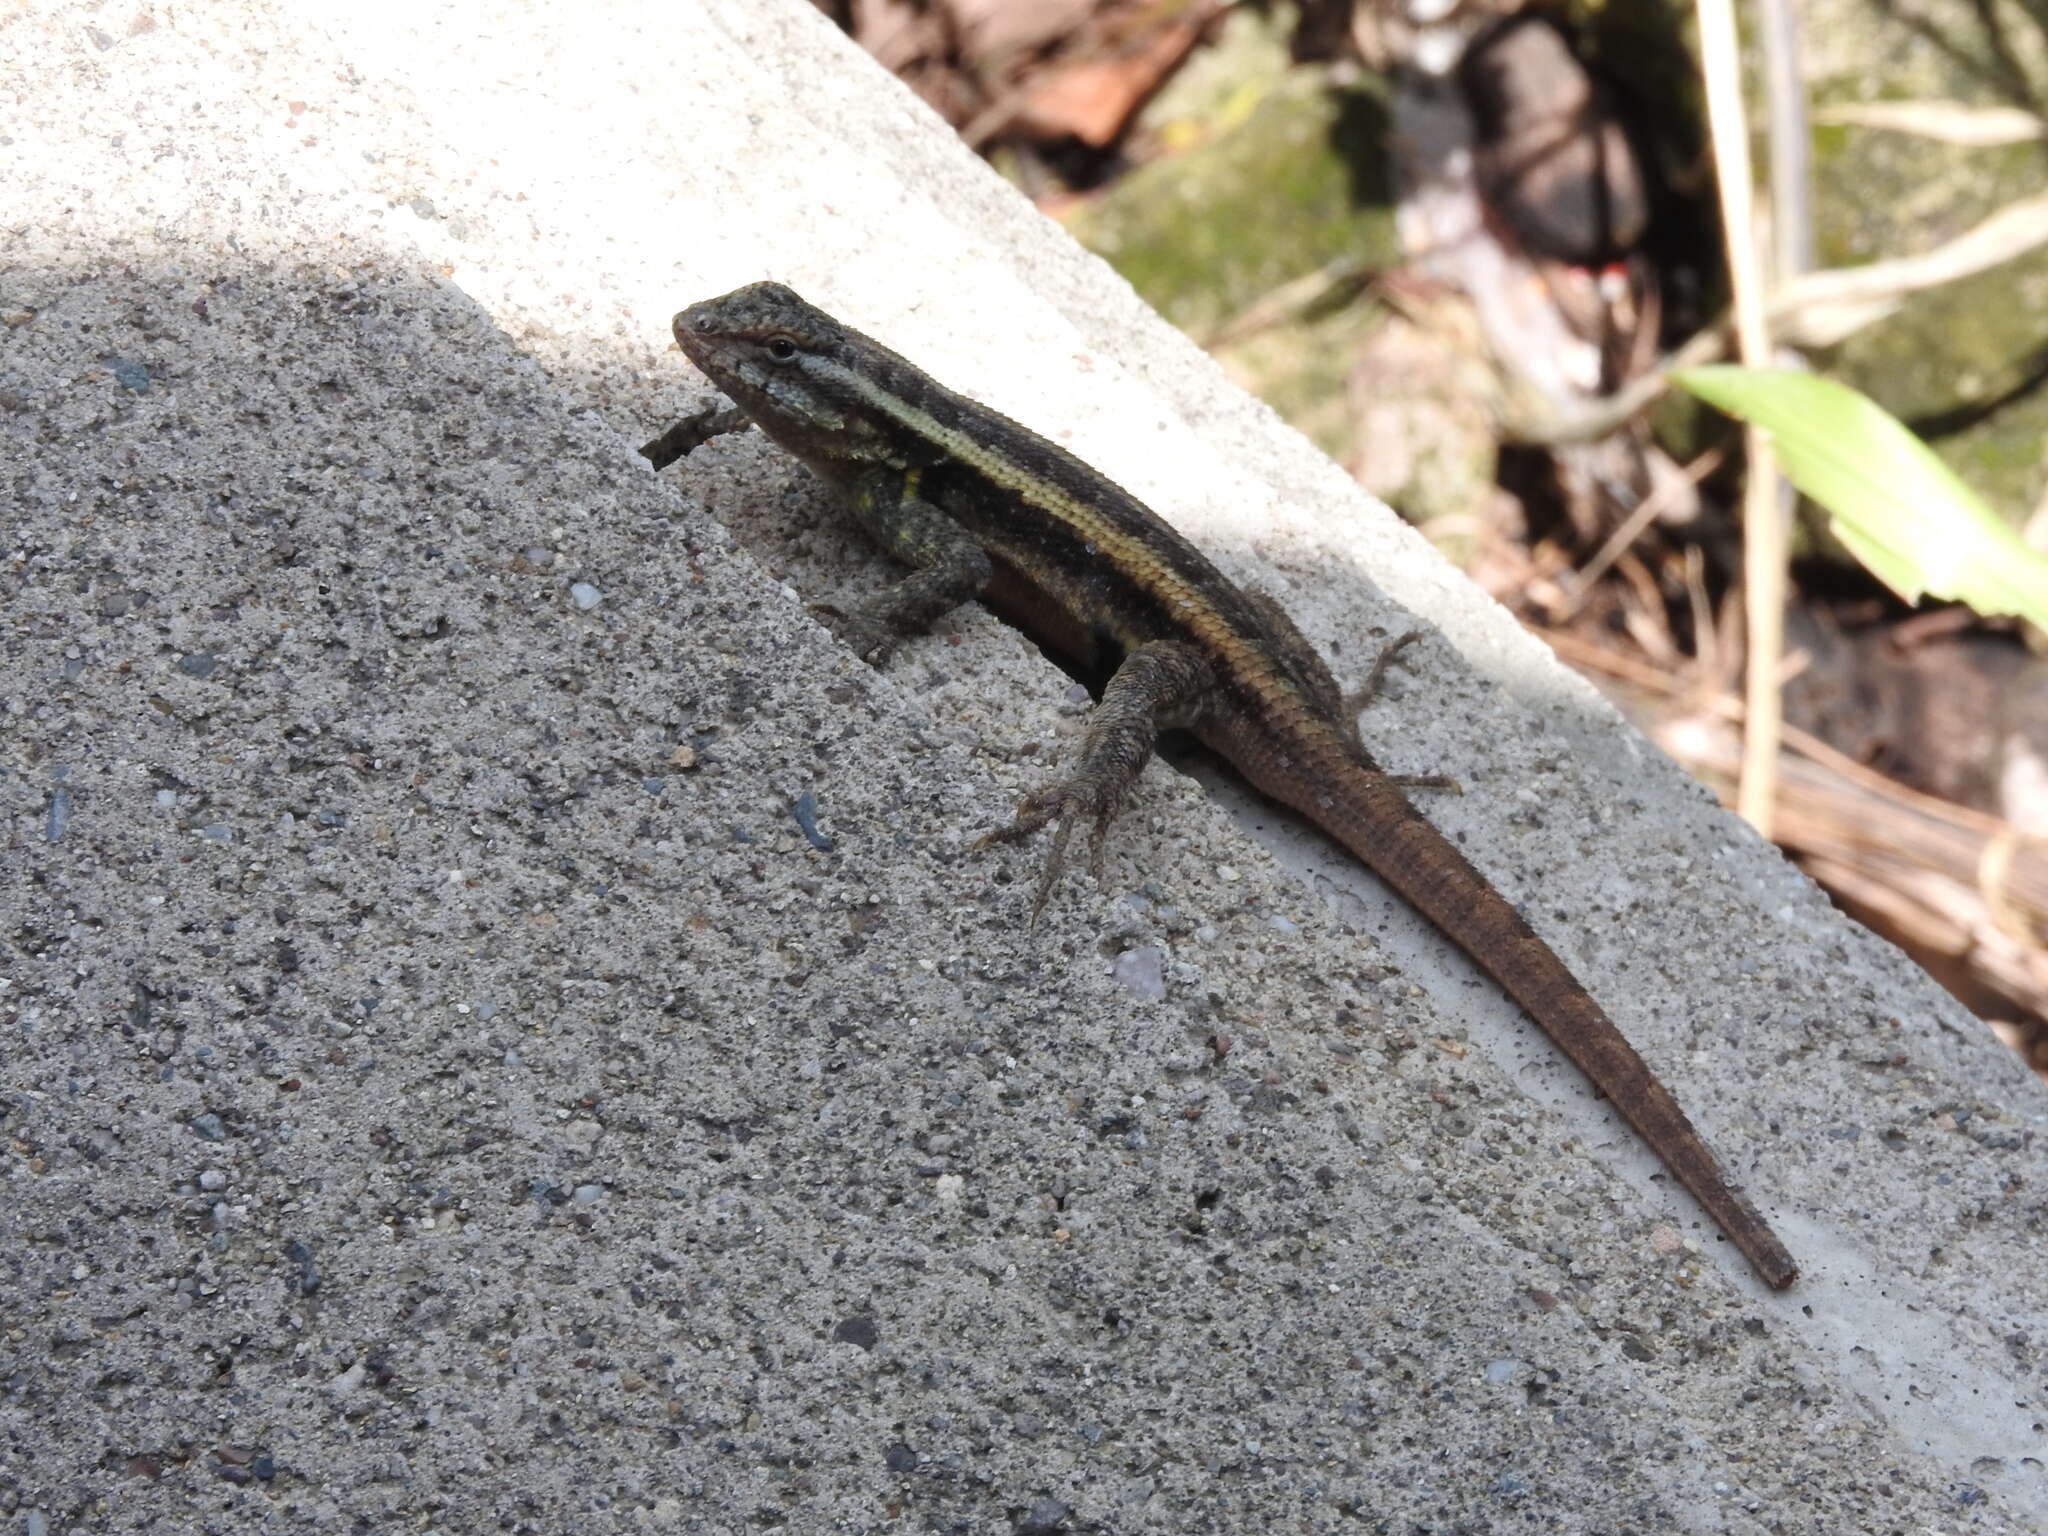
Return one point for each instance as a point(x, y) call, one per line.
point(980, 507)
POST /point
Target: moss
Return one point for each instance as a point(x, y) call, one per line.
point(1299, 369)
point(1963, 364)
point(1300, 182)
point(1220, 83)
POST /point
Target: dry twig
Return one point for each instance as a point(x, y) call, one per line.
point(1763, 525)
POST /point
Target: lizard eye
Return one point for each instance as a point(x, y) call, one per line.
point(781, 348)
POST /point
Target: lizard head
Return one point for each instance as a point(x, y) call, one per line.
point(784, 362)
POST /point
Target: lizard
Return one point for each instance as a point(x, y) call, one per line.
point(980, 507)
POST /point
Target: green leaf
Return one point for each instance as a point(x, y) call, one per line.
point(1897, 507)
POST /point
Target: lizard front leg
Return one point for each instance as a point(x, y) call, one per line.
point(693, 432)
point(1160, 686)
point(947, 567)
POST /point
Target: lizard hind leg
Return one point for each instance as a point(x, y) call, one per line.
point(1314, 677)
point(1160, 685)
point(1357, 699)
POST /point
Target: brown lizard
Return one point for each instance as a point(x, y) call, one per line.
point(980, 507)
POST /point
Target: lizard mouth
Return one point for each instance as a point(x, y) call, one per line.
point(696, 333)
point(717, 354)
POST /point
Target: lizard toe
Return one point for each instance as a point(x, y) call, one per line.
point(1072, 804)
point(1054, 861)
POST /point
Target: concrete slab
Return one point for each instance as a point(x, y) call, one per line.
point(505, 1034)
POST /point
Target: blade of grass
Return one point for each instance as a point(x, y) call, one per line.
point(1900, 510)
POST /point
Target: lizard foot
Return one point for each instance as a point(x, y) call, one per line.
point(1160, 682)
point(1083, 798)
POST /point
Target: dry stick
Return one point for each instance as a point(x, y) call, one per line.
point(1952, 122)
point(1613, 412)
point(1296, 296)
point(1763, 544)
point(1788, 182)
point(1789, 137)
point(1706, 634)
point(1821, 308)
point(1665, 493)
point(1645, 617)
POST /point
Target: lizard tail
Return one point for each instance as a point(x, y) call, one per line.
point(1376, 822)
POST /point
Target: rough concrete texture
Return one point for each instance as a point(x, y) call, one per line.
point(504, 1031)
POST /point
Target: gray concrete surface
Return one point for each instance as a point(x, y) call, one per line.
point(447, 1088)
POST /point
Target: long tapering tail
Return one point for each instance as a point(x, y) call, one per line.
point(1376, 822)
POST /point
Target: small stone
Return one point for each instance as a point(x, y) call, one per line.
point(210, 1126)
point(197, 663)
point(588, 1194)
point(309, 1270)
point(1142, 970)
point(586, 596)
point(213, 1178)
point(900, 1458)
point(1044, 1517)
point(857, 1330)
